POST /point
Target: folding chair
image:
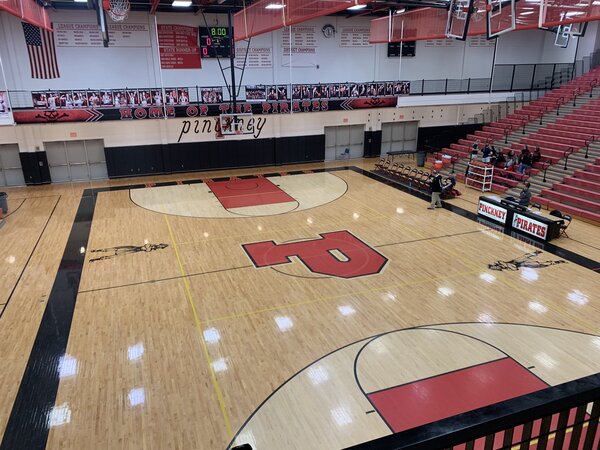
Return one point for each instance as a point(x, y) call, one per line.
point(556, 213)
point(563, 228)
point(379, 165)
point(391, 169)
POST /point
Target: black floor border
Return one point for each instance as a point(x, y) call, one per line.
point(27, 427)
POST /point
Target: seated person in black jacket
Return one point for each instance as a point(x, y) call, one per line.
point(525, 195)
point(500, 160)
point(487, 153)
point(524, 161)
point(537, 156)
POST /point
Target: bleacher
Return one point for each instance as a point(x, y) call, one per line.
point(565, 125)
point(577, 194)
point(527, 117)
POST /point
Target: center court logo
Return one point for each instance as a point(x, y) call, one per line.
point(337, 254)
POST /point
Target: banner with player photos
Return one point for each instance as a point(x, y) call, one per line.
point(266, 92)
point(180, 96)
point(350, 90)
point(211, 95)
point(5, 113)
point(109, 98)
point(256, 93)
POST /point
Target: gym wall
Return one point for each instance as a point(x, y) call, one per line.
point(118, 67)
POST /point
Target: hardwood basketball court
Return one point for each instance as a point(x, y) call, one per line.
point(296, 308)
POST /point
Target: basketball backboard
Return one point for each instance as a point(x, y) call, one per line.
point(459, 15)
point(501, 17)
point(565, 32)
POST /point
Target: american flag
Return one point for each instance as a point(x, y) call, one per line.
point(42, 52)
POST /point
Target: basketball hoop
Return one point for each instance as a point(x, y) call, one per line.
point(118, 10)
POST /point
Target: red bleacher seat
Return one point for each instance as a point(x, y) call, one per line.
point(586, 184)
point(580, 192)
point(592, 168)
point(504, 181)
point(550, 204)
point(578, 202)
point(542, 136)
point(591, 176)
point(547, 144)
point(567, 132)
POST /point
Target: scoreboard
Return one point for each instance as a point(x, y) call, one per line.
point(215, 42)
point(408, 49)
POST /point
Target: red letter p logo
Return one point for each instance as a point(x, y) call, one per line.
point(337, 254)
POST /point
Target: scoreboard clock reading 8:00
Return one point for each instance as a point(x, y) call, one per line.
point(215, 42)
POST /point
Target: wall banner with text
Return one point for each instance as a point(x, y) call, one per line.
point(87, 34)
point(199, 110)
point(179, 47)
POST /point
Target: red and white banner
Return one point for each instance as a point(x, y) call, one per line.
point(530, 226)
point(496, 213)
point(179, 48)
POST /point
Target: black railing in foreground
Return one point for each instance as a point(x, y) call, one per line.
point(499, 422)
point(567, 154)
point(587, 145)
point(547, 164)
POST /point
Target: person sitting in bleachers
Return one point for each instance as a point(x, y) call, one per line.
point(487, 153)
point(525, 195)
point(500, 160)
point(524, 161)
point(493, 156)
point(511, 161)
point(475, 150)
point(537, 156)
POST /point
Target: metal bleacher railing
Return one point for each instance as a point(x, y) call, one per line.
point(558, 418)
point(528, 81)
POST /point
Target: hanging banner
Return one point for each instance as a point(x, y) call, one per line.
point(5, 113)
point(258, 57)
point(210, 108)
point(301, 48)
point(179, 47)
point(355, 37)
point(87, 34)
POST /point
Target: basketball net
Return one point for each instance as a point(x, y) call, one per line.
point(118, 10)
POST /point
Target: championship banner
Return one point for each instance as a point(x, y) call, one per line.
point(199, 110)
point(300, 48)
point(88, 34)
point(178, 47)
point(5, 113)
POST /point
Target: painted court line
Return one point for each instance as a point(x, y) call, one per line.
point(213, 375)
